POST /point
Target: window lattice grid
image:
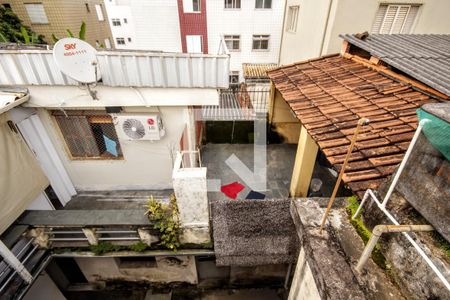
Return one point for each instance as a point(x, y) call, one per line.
point(233, 42)
point(233, 4)
point(88, 135)
point(395, 18)
point(116, 22)
point(260, 42)
point(292, 19)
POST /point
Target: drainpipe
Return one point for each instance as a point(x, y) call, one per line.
point(14, 263)
point(376, 234)
point(330, 4)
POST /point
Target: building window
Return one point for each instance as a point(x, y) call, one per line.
point(233, 4)
point(116, 22)
point(107, 44)
point(234, 77)
point(395, 18)
point(99, 10)
point(292, 19)
point(6, 5)
point(120, 41)
point(36, 13)
point(233, 42)
point(87, 7)
point(88, 134)
point(129, 40)
point(260, 42)
point(194, 43)
point(263, 4)
point(190, 6)
point(125, 20)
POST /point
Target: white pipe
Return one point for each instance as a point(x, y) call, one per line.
point(376, 234)
point(14, 263)
point(411, 240)
point(404, 161)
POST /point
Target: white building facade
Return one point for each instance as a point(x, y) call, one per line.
point(145, 25)
point(251, 29)
point(312, 28)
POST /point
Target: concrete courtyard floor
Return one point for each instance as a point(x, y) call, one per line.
point(280, 161)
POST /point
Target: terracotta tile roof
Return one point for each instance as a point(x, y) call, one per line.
point(330, 94)
point(257, 70)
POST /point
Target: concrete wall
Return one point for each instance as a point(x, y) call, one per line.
point(303, 285)
point(146, 164)
point(349, 16)
point(66, 14)
point(245, 22)
point(44, 289)
point(284, 121)
point(305, 42)
point(166, 269)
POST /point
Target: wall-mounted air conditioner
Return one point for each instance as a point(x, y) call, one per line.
point(139, 127)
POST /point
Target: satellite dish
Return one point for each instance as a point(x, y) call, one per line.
point(77, 59)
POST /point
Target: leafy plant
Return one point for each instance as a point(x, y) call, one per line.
point(13, 31)
point(104, 247)
point(165, 219)
point(138, 247)
point(81, 33)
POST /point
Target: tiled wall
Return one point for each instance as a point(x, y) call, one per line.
point(193, 24)
point(246, 22)
point(66, 14)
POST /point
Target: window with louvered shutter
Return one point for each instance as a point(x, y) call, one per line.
point(394, 18)
point(86, 135)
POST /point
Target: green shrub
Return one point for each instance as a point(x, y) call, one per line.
point(363, 232)
point(165, 219)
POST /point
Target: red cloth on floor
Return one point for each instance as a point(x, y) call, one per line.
point(232, 189)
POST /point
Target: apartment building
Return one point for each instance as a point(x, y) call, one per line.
point(251, 30)
point(49, 17)
point(145, 25)
point(312, 28)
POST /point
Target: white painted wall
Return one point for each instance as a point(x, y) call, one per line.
point(245, 22)
point(154, 24)
point(349, 16)
point(125, 30)
point(146, 164)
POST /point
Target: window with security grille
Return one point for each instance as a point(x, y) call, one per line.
point(233, 4)
point(116, 22)
point(395, 18)
point(292, 19)
point(263, 4)
point(120, 41)
point(36, 13)
point(233, 42)
point(260, 42)
point(88, 134)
